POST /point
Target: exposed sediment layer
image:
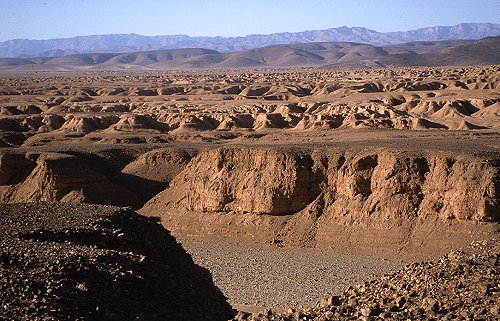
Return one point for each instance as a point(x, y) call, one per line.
point(57, 177)
point(313, 156)
point(325, 197)
point(346, 190)
point(109, 177)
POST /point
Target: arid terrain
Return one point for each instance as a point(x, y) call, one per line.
point(358, 170)
point(340, 54)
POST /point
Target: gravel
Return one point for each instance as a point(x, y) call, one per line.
point(283, 278)
point(462, 285)
point(88, 262)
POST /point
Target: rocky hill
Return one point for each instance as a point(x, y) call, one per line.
point(88, 262)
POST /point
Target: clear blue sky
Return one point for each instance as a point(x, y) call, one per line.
point(46, 19)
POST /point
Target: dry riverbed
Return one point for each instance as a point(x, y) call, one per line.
point(254, 278)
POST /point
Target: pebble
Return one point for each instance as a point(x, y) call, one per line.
point(283, 278)
point(437, 292)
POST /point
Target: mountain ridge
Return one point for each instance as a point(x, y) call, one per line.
point(319, 54)
point(114, 43)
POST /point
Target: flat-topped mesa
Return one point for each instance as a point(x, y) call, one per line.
point(323, 197)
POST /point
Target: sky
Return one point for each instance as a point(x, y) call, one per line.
point(45, 19)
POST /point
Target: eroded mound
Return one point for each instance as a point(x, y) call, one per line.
point(111, 177)
point(458, 286)
point(109, 108)
point(88, 262)
point(57, 177)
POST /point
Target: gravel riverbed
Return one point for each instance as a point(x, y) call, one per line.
point(283, 278)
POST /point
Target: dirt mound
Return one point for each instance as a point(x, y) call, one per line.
point(152, 171)
point(254, 91)
point(460, 285)
point(100, 107)
point(85, 124)
point(135, 123)
point(68, 262)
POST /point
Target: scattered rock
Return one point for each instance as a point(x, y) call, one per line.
point(63, 261)
point(437, 292)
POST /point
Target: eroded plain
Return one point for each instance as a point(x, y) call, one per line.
point(396, 164)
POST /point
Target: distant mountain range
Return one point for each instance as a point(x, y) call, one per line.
point(319, 54)
point(122, 43)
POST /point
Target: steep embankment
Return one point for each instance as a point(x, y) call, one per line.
point(56, 177)
point(330, 198)
point(345, 196)
point(106, 177)
point(88, 262)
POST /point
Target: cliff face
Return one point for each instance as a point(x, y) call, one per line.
point(323, 197)
point(257, 181)
point(56, 177)
point(386, 186)
point(102, 177)
point(315, 197)
point(348, 186)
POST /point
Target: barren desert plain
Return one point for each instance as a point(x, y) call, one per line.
point(298, 193)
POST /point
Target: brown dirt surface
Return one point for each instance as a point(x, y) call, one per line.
point(398, 163)
point(368, 158)
point(159, 107)
point(91, 262)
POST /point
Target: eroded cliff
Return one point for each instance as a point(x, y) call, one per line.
point(338, 196)
point(313, 197)
point(105, 177)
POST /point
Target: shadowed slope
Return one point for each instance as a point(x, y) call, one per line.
point(68, 262)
